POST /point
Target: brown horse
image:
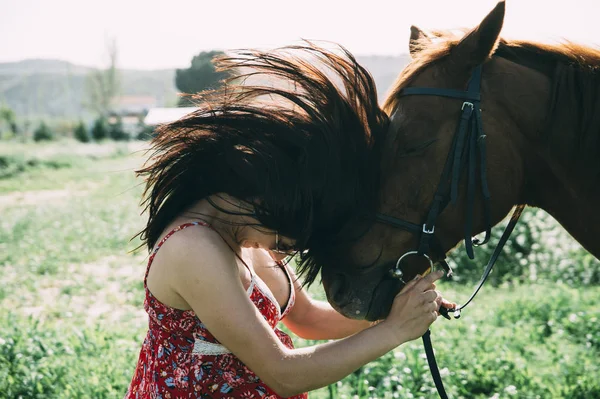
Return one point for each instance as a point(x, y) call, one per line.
point(540, 120)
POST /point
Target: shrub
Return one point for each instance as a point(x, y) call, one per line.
point(538, 249)
point(43, 133)
point(13, 165)
point(146, 132)
point(81, 134)
point(8, 122)
point(116, 132)
point(99, 130)
point(44, 360)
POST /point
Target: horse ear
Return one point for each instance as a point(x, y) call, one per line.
point(418, 40)
point(477, 45)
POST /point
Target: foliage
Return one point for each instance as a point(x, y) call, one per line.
point(53, 360)
point(145, 132)
point(200, 76)
point(81, 133)
point(530, 341)
point(12, 165)
point(116, 131)
point(8, 117)
point(539, 249)
point(43, 133)
point(100, 129)
point(71, 318)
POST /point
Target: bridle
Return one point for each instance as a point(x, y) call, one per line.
point(468, 147)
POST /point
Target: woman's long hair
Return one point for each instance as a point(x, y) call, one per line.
point(293, 133)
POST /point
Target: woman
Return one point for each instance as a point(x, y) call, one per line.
point(258, 174)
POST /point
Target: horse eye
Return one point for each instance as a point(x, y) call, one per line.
point(416, 149)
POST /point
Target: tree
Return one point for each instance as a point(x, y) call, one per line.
point(99, 130)
point(117, 132)
point(81, 133)
point(103, 85)
point(43, 133)
point(8, 116)
point(145, 132)
point(200, 76)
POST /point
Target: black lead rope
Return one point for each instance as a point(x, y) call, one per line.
point(467, 145)
point(433, 367)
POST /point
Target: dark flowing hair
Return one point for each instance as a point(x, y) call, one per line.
point(298, 145)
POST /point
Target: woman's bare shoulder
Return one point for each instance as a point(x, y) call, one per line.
point(193, 241)
point(194, 251)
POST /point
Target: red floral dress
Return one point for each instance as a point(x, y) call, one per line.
point(181, 359)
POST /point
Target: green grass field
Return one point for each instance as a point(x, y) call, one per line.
point(71, 317)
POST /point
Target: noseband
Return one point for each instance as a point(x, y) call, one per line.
point(468, 152)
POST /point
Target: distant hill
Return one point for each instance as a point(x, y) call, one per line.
point(55, 88)
point(42, 66)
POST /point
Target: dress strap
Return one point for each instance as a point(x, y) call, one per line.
point(181, 227)
point(166, 237)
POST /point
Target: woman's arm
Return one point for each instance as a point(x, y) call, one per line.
point(313, 319)
point(309, 318)
point(205, 276)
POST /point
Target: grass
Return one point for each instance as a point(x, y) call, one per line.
point(72, 323)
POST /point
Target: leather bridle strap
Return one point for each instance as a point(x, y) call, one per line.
point(467, 143)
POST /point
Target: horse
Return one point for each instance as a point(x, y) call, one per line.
point(529, 136)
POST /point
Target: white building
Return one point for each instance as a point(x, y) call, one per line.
point(158, 116)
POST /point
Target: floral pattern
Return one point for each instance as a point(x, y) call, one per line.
point(167, 368)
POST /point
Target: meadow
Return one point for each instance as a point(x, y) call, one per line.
point(71, 293)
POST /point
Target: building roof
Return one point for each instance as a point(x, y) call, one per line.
point(158, 116)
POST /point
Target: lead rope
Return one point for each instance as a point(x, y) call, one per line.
point(433, 367)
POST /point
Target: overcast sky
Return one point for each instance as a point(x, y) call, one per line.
point(164, 34)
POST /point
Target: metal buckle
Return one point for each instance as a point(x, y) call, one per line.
point(428, 231)
point(468, 104)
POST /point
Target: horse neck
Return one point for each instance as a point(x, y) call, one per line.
point(563, 160)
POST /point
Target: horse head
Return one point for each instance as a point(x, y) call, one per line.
point(452, 164)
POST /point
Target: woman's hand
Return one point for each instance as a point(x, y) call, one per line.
point(415, 308)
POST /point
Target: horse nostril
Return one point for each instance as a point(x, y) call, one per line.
point(336, 290)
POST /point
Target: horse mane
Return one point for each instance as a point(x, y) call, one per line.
point(574, 70)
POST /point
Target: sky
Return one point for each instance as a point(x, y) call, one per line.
point(154, 34)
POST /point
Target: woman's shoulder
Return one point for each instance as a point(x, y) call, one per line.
point(193, 241)
point(186, 251)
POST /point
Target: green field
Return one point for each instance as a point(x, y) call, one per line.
point(71, 317)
